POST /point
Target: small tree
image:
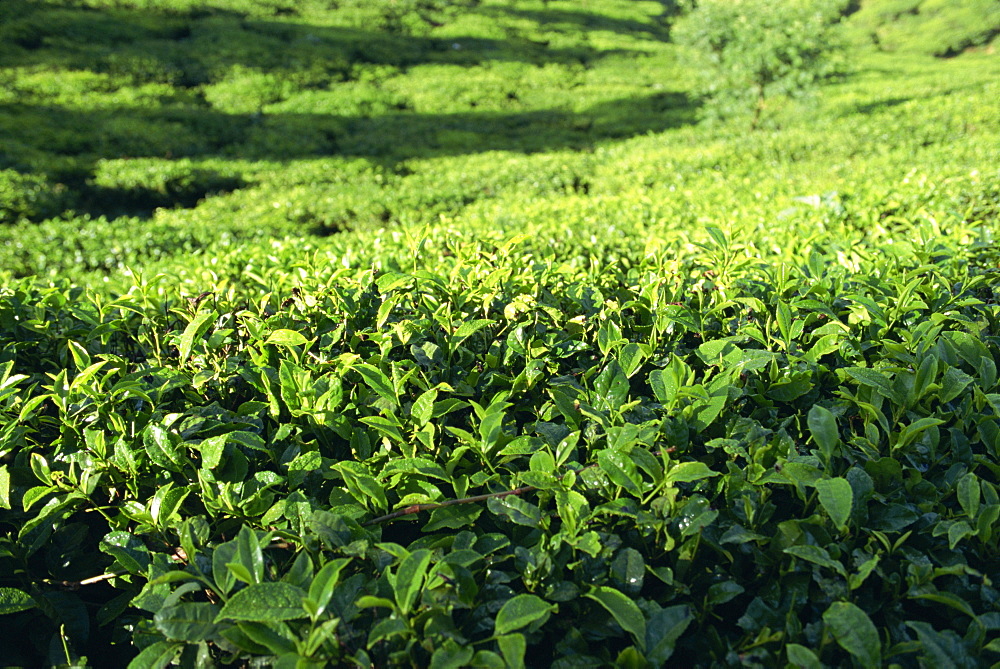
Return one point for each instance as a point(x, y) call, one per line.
point(747, 51)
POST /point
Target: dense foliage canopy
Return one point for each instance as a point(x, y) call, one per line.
point(439, 334)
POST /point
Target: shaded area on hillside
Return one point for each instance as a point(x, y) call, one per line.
point(203, 81)
point(196, 47)
point(66, 144)
point(564, 20)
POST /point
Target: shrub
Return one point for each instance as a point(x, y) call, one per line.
point(29, 197)
point(748, 51)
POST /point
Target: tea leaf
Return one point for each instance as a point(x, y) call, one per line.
point(520, 611)
point(854, 632)
point(264, 602)
point(836, 498)
point(623, 610)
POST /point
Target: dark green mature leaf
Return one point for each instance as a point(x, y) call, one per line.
point(13, 600)
point(516, 509)
point(801, 657)
point(128, 550)
point(836, 497)
point(264, 602)
point(663, 630)
point(377, 381)
point(156, 656)
point(823, 426)
point(325, 580)
point(940, 648)
point(625, 612)
point(520, 611)
point(453, 517)
point(513, 647)
point(874, 379)
point(451, 656)
point(611, 388)
point(854, 632)
point(620, 469)
point(163, 448)
point(410, 578)
point(191, 621)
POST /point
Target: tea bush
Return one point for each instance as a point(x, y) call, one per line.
point(356, 373)
point(29, 197)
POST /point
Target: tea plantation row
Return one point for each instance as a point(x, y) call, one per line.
point(633, 392)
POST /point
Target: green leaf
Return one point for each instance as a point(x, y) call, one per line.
point(823, 426)
point(611, 388)
point(388, 428)
point(950, 600)
point(128, 550)
point(663, 630)
point(212, 449)
point(188, 621)
point(362, 487)
point(664, 386)
point(953, 383)
point(274, 636)
point(410, 578)
point(836, 498)
point(450, 655)
point(816, 555)
point(631, 357)
point(469, 328)
point(941, 650)
point(4, 488)
point(286, 338)
point(854, 581)
point(801, 657)
point(910, 433)
point(325, 580)
point(423, 406)
point(453, 517)
point(969, 494)
point(790, 388)
point(156, 656)
point(625, 612)
point(165, 503)
point(377, 381)
point(874, 379)
point(513, 647)
point(265, 602)
point(520, 611)
point(516, 509)
point(854, 632)
point(687, 472)
point(249, 554)
point(13, 600)
point(620, 469)
point(720, 593)
point(162, 448)
point(194, 330)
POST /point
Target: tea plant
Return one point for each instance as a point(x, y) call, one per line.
point(548, 380)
